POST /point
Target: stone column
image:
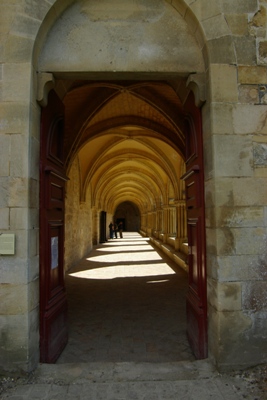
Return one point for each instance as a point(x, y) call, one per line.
point(181, 223)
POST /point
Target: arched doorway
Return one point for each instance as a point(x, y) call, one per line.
point(130, 139)
point(129, 214)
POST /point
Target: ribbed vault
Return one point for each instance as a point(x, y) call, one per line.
point(129, 138)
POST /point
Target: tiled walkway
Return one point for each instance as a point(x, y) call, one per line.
point(126, 303)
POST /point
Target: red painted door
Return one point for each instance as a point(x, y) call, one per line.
point(196, 302)
point(53, 303)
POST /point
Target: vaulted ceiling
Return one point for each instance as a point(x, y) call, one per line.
point(129, 139)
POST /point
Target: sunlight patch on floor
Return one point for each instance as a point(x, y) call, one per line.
point(124, 271)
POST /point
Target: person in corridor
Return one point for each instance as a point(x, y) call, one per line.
point(120, 227)
point(116, 230)
point(111, 227)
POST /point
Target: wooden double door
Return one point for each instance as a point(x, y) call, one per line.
point(53, 303)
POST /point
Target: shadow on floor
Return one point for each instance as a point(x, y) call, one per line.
point(126, 303)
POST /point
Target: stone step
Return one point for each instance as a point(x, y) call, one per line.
point(124, 372)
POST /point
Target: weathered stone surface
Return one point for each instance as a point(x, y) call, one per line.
point(237, 268)
point(16, 83)
point(107, 46)
point(249, 191)
point(5, 154)
point(259, 18)
point(4, 218)
point(243, 123)
point(205, 10)
point(18, 218)
point(222, 118)
point(260, 154)
point(223, 83)
point(14, 118)
point(263, 51)
point(239, 6)
point(18, 49)
point(246, 53)
point(216, 27)
point(13, 299)
point(254, 296)
point(249, 94)
point(239, 153)
point(224, 296)
point(238, 24)
point(240, 216)
point(14, 270)
point(252, 75)
point(249, 240)
point(222, 50)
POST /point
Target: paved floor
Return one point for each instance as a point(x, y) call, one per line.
point(126, 303)
point(127, 335)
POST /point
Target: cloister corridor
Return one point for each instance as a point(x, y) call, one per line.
point(126, 303)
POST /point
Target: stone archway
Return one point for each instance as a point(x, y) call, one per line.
point(129, 126)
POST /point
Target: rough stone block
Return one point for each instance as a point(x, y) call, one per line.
point(34, 159)
point(235, 217)
point(224, 296)
point(216, 27)
point(222, 50)
point(250, 240)
point(16, 82)
point(21, 249)
point(179, 6)
point(33, 295)
point(240, 268)
point(5, 154)
point(205, 9)
point(18, 164)
point(246, 52)
point(34, 193)
point(14, 118)
point(249, 94)
point(244, 124)
point(260, 154)
point(223, 83)
point(225, 242)
point(18, 218)
point(13, 270)
point(239, 154)
point(222, 118)
point(249, 191)
point(13, 299)
point(33, 269)
point(239, 6)
point(4, 218)
point(263, 51)
point(252, 75)
point(238, 24)
point(254, 296)
point(33, 242)
point(18, 49)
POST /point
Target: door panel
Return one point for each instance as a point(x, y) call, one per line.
point(196, 301)
point(53, 303)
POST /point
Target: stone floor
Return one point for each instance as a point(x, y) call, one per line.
point(126, 303)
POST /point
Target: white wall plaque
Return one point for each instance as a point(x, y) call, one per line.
point(7, 243)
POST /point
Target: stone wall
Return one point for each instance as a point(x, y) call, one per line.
point(78, 220)
point(232, 39)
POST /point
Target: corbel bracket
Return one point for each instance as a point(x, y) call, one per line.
point(197, 83)
point(45, 83)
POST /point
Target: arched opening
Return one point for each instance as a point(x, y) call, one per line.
point(128, 140)
point(128, 213)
